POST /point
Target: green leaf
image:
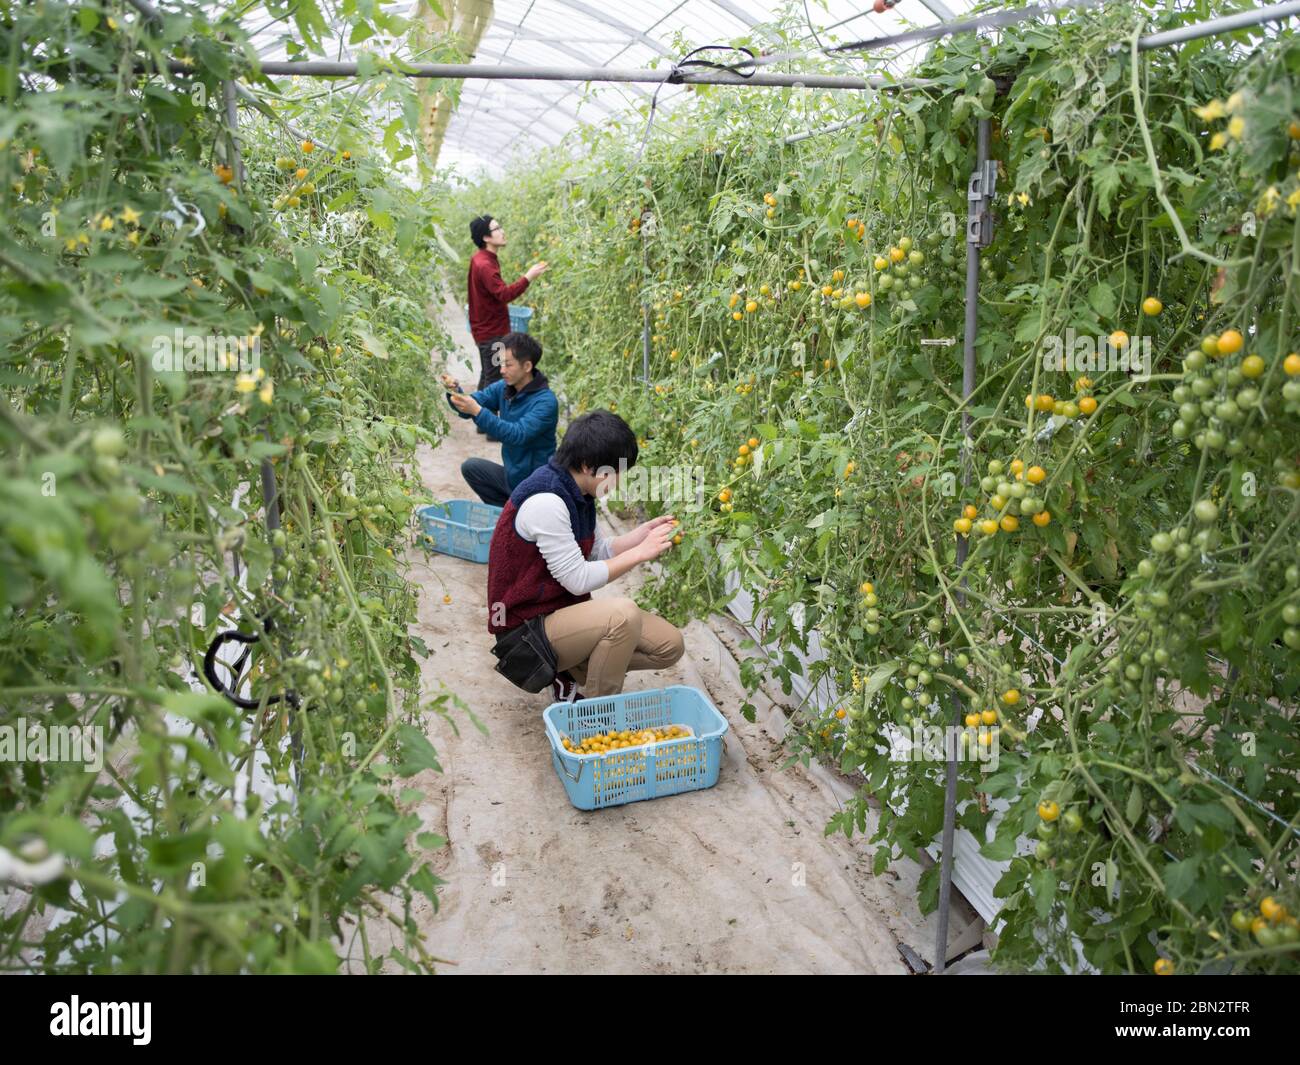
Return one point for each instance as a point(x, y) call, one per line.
point(417, 752)
point(1133, 809)
point(1180, 877)
point(1101, 298)
point(1042, 886)
point(1232, 620)
point(154, 287)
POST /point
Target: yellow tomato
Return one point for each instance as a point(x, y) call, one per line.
point(962, 525)
point(1042, 518)
point(1272, 910)
point(1009, 523)
point(1230, 341)
point(1087, 404)
point(1152, 306)
point(1035, 475)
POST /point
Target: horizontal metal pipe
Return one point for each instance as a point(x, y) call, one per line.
point(690, 76)
point(795, 138)
point(1226, 24)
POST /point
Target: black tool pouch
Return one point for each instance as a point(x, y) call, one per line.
point(525, 656)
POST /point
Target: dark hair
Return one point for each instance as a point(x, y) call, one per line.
point(524, 347)
point(597, 439)
point(480, 228)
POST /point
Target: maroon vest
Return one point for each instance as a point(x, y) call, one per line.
point(518, 577)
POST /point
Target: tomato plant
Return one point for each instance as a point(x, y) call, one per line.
point(1136, 639)
point(135, 239)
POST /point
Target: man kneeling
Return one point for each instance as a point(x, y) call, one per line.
point(547, 557)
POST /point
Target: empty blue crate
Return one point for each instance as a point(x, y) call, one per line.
point(632, 774)
point(460, 527)
point(519, 319)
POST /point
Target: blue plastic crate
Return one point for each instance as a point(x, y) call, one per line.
point(594, 781)
point(460, 527)
point(519, 319)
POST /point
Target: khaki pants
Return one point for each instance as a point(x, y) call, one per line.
point(600, 640)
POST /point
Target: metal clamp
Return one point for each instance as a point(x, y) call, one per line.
point(979, 198)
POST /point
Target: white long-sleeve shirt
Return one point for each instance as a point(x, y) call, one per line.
point(544, 520)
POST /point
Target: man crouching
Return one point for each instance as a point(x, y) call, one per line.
point(547, 557)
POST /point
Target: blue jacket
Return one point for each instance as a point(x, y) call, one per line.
point(524, 421)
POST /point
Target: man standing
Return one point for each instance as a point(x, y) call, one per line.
point(519, 409)
point(489, 296)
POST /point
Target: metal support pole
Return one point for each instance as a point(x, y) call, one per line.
point(979, 233)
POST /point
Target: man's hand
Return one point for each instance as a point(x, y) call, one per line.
point(639, 534)
point(536, 270)
point(657, 541)
point(449, 383)
point(630, 540)
point(465, 404)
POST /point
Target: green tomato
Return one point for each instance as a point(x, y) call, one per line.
point(108, 442)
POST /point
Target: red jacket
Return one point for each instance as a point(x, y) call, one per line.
point(489, 297)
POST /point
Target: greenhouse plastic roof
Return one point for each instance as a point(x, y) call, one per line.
point(500, 121)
